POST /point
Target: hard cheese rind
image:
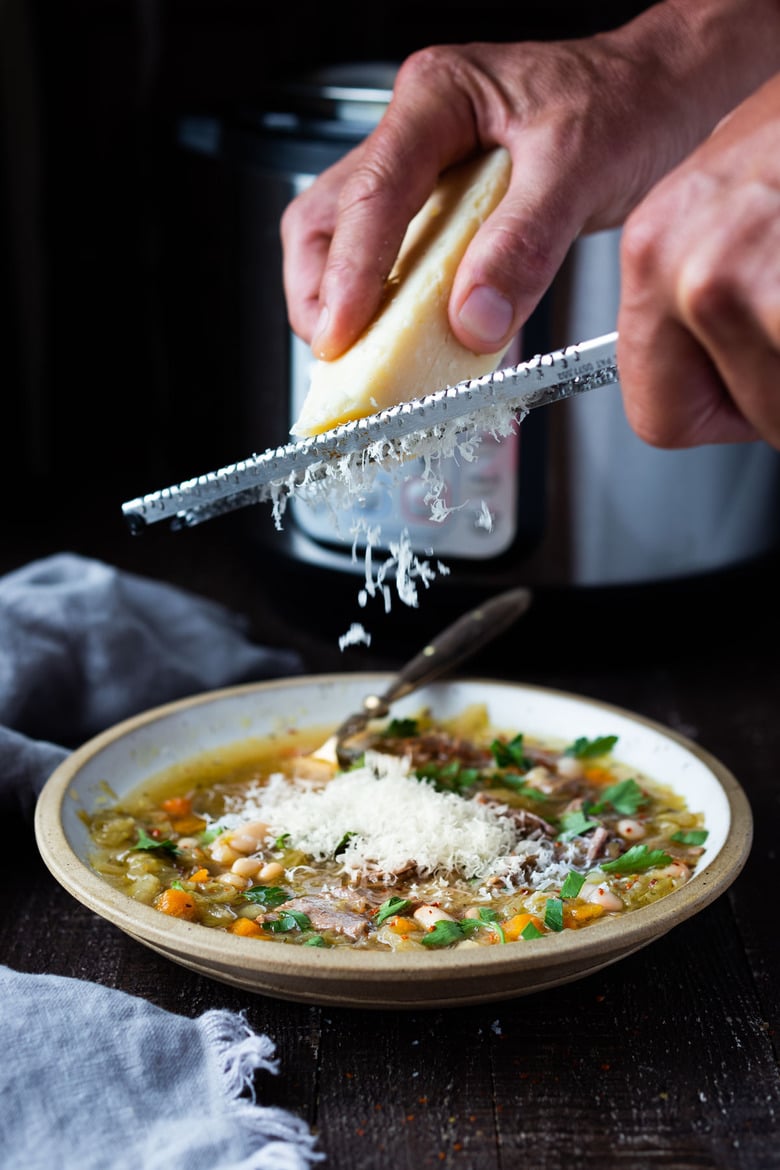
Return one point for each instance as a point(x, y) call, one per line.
point(409, 350)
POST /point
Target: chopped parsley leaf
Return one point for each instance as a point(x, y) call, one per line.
point(391, 907)
point(401, 729)
point(342, 845)
point(209, 835)
point(146, 842)
point(450, 777)
point(316, 940)
point(553, 914)
point(625, 798)
point(574, 824)
point(444, 934)
point(531, 931)
point(510, 755)
point(690, 836)
point(521, 786)
point(490, 918)
point(485, 917)
point(589, 749)
point(289, 920)
point(268, 896)
point(281, 841)
point(572, 884)
point(636, 859)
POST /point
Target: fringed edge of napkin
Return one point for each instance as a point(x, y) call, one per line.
point(287, 1142)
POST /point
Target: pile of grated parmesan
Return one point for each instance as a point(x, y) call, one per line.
point(395, 818)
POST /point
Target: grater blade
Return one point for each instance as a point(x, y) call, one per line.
point(545, 379)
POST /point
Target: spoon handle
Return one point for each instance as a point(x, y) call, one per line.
point(463, 638)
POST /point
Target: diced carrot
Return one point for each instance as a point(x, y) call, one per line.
point(177, 903)
point(401, 925)
point(515, 925)
point(579, 915)
point(188, 825)
point(596, 775)
point(177, 806)
point(200, 875)
point(246, 928)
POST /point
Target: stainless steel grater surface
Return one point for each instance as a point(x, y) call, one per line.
point(545, 379)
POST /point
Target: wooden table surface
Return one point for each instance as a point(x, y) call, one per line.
point(666, 1059)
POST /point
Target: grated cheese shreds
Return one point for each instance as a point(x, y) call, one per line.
point(354, 634)
point(345, 481)
point(444, 833)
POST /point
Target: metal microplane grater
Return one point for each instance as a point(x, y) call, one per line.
point(544, 379)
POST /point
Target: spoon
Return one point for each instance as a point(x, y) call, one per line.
point(464, 637)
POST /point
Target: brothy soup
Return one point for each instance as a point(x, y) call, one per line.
point(443, 834)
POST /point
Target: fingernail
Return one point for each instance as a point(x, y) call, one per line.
point(319, 329)
point(486, 314)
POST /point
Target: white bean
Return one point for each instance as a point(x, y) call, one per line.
point(242, 842)
point(677, 870)
point(232, 879)
point(247, 867)
point(256, 829)
point(630, 829)
point(270, 872)
point(430, 915)
point(223, 853)
point(570, 767)
point(603, 896)
point(538, 777)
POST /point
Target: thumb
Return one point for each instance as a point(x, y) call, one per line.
point(513, 257)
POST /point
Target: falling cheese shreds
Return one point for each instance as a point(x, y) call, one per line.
point(355, 634)
point(388, 817)
point(341, 483)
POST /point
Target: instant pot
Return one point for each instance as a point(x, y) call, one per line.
point(578, 500)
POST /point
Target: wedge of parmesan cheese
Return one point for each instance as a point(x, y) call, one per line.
point(409, 349)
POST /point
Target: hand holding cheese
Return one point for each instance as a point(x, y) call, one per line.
point(592, 125)
point(409, 350)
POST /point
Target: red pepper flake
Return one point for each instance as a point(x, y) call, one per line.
point(457, 1145)
point(422, 1100)
point(410, 1117)
point(605, 1067)
point(360, 1132)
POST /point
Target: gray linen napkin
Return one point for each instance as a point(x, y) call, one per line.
point(93, 1078)
point(84, 645)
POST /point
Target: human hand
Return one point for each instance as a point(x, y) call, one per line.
point(699, 320)
point(591, 125)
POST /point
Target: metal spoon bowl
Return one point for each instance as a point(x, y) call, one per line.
point(453, 645)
